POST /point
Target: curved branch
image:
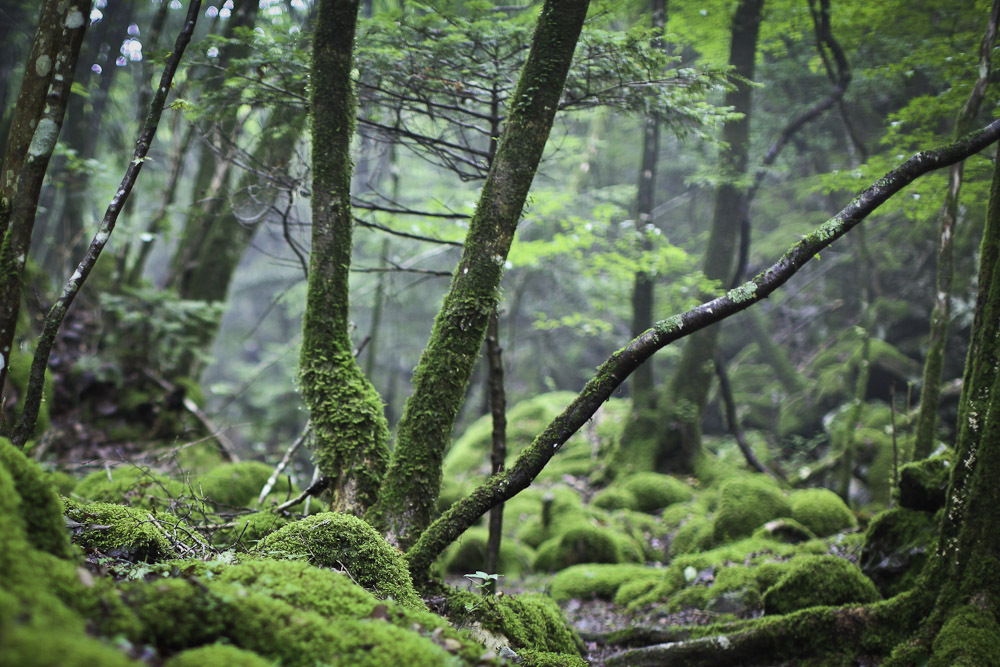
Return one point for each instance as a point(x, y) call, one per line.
point(621, 364)
point(25, 427)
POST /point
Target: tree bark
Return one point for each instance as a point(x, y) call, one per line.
point(622, 363)
point(679, 442)
point(350, 434)
point(442, 374)
point(34, 129)
point(930, 394)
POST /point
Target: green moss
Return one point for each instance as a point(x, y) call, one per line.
point(549, 659)
point(898, 543)
point(746, 503)
point(819, 580)
point(468, 554)
point(130, 485)
point(694, 536)
point(822, 511)
point(969, 638)
point(597, 581)
point(235, 484)
point(217, 655)
point(580, 543)
point(923, 485)
point(41, 647)
point(614, 498)
point(654, 491)
point(343, 541)
point(130, 533)
point(40, 507)
point(529, 621)
point(785, 530)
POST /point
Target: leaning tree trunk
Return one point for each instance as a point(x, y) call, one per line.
point(679, 442)
point(34, 129)
point(439, 382)
point(350, 435)
point(930, 395)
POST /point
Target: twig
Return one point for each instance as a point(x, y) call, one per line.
point(318, 486)
point(284, 462)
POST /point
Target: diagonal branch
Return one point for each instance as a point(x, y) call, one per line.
point(621, 364)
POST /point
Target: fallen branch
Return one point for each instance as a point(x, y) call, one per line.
point(283, 463)
point(613, 372)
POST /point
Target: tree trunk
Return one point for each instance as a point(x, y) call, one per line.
point(679, 442)
point(350, 432)
point(439, 382)
point(930, 395)
point(34, 129)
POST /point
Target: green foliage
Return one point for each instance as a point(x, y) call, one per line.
point(818, 580)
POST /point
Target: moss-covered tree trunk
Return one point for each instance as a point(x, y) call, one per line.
point(439, 382)
point(930, 395)
point(349, 428)
point(679, 441)
point(34, 129)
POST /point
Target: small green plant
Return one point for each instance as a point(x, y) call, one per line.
point(486, 583)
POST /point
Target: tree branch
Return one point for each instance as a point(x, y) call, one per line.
point(622, 363)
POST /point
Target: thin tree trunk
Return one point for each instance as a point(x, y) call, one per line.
point(679, 442)
point(350, 434)
point(498, 450)
point(414, 478)
point(930, 395)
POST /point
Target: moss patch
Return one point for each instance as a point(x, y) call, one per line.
point(970, 637)
point(217, 655)
point(235, 484)
point(822, 511)
point(654, 491)
point(819, 580)
point(746, 503)
point(130, 485)
point(597, 581)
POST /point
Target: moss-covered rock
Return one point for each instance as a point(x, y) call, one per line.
point(696, 534)
point(654, 491)
point(133, 486)
point(614, 498)
point(40, 507)
point(822, 511)
point(811, 581)
point(923, 485)
point(580, 543)
point(248, 529)
point(597, 581)
point(129, 533)
point(235, 484)
point(217, 655)
point(744, 504)
point(898, 543)
point(342, 541)
point(785, 530)
point(529, 621)
point(969, 638)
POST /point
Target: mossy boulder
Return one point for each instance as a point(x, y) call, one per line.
point(530, 621)
point(342, 541)
point(580, 543)
point(812, 581)
point(969, 637)
point(236, 484)
point(745, 503)
point(614, 498)
point(696, 534)
point(654, 491)
point(131, 485)
point(923, 485)
point(822, 511)
point(597, 581)
point(898, 543)
point(130, 533)
point(248, 529)
point(468, 554)
point(785, 530)
point(217, 655)
point(40, 507)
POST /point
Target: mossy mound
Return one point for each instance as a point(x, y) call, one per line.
point(789, 531)
point(654, 491)
point(468, 554)
point(614, 498)
point(583, 542)
point(898, 543)
point(40, 507)
point(822, 511)
point(745, 503)
point(531, 658)
point(530, 621)
point(812, 581)
point(969, 637)
point(133, 486)
point(342, 541)
point(217, 655)
point(130, 533)
point(696, 534)
point(236, 484)
point(597, 581)
point(923, 485)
